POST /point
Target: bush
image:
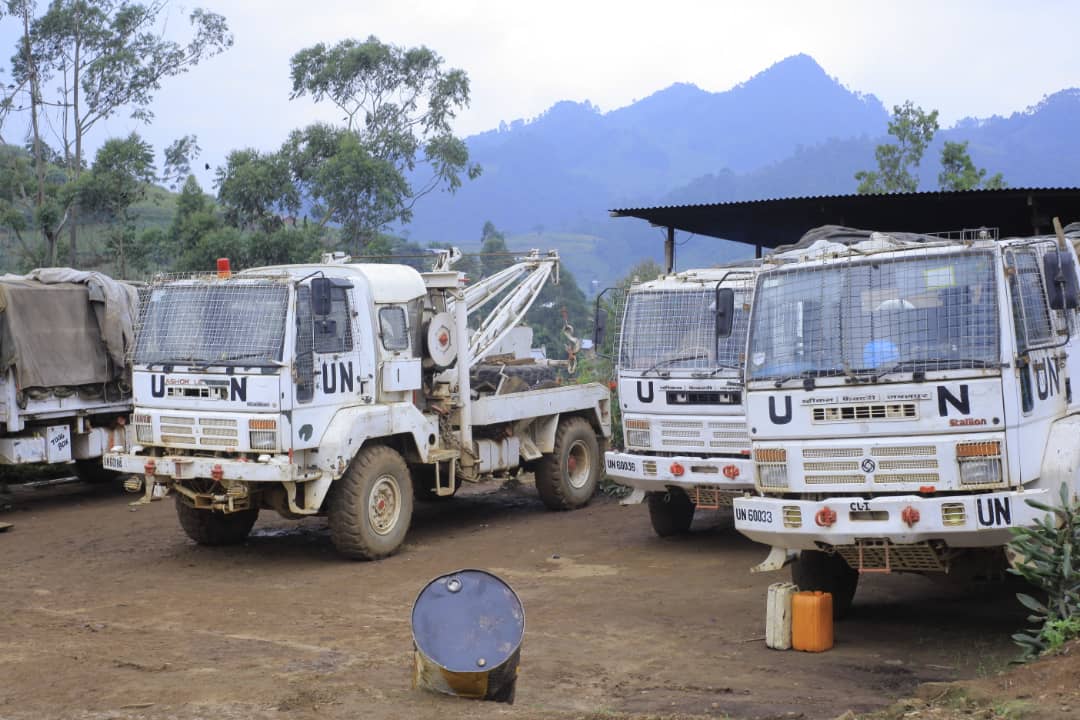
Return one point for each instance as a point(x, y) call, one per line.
point(1047, 554)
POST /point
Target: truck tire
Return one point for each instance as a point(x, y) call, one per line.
point(212, 528)
point(671, 512)
point(567, 477)
point(371, 505)
point(816, 570)
point(91, 471)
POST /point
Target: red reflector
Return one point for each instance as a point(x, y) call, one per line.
point(909, 515)
point(927, 489)
point(150, 467)
point(223, 269)
point(216, 472)
point(677, 470)
point(825, 517)
point(731, 472)
point(612, 385)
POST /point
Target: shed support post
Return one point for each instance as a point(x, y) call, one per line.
point(669, 250)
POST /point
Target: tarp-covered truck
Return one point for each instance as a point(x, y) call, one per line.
point(64, 384)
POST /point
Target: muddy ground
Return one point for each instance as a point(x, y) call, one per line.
point(110, 612)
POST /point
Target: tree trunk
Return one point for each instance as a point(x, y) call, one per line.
point(73, 230)
point(35, 101)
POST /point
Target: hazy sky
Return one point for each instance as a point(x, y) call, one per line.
point(968, 57)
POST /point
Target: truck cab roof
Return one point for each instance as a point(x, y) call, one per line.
point(388, 283)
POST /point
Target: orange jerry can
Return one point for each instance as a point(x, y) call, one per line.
point(811, 621)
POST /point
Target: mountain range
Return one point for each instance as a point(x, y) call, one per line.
point(790, 130)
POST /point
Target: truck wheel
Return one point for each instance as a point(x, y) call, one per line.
point(671, 512)
point(815, 570)
point(567, 478)
point(91, 471)
point(371, 504)
point(209, 527)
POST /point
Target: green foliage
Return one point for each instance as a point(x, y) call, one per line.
point(1047, 555)
point(255, 189)
point(93, 58)
point(494, 255)
point(178, 158)
point(898, 162)
point(958, 172)
point(398, 104)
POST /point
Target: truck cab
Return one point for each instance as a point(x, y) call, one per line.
point(908, 395)
point(679, 358)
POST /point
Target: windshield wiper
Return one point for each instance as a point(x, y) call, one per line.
point(681, 358)
point(245, 356)
point(922, 365)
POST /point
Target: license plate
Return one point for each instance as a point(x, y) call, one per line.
point(621, 465)
point(112, 462)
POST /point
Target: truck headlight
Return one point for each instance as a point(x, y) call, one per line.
point(771, 465)
point(980, 463)
point(263, 434)
point(638, 433)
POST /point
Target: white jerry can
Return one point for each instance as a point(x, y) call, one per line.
point(778, 615)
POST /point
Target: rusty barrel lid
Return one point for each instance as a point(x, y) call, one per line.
point(468, 621)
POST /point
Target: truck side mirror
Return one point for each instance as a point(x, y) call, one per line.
point(725, 312)
point(1059, 269)
point(599, 326)
point(320, 296)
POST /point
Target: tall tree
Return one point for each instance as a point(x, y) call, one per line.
point(494, 255)
point(103, 56)
point(398, 104)
point(958, 171)
point(898, 162)
point(123, 169)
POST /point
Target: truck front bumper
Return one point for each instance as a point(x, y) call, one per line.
point(189, 467)
point(655, 474)
point(961, 521)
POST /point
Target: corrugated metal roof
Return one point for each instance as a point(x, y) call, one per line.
point(780, 221)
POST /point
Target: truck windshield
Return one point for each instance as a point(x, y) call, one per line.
point(676, 329)
point(913, 314)
point(213, 323)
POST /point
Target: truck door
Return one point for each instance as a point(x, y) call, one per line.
point(333, 365)
point(1039, 373)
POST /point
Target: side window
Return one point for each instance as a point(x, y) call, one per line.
point(305, 359)
point(333, 333)
point(393, 328)
point(1031, 314)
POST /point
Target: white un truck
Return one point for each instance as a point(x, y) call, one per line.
point(679, 358)
point(342, 389)
point(907, 394)
point(64, 385)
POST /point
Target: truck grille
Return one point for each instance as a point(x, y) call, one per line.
point(852, 413)
point(207, 432)
point(899, 464)
point(729, 438)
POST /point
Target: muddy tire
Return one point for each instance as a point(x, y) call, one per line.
point(371, 505)
point(671, 512)
point(815, 570)
point(91, 471)
point(212, 528)
point(567, 478)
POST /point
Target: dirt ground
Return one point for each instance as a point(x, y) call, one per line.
point(111, 612)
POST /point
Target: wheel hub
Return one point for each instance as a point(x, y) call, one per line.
point(384, 507)
point(578, 465)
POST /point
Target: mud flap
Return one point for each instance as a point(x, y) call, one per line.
point(634, 498)
point(777, 558)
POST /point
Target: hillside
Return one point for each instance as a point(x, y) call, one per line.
point(790, 130)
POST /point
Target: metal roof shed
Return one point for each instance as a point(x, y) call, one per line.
point(770, 223)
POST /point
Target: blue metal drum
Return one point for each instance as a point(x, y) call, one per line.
point(467, 630)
